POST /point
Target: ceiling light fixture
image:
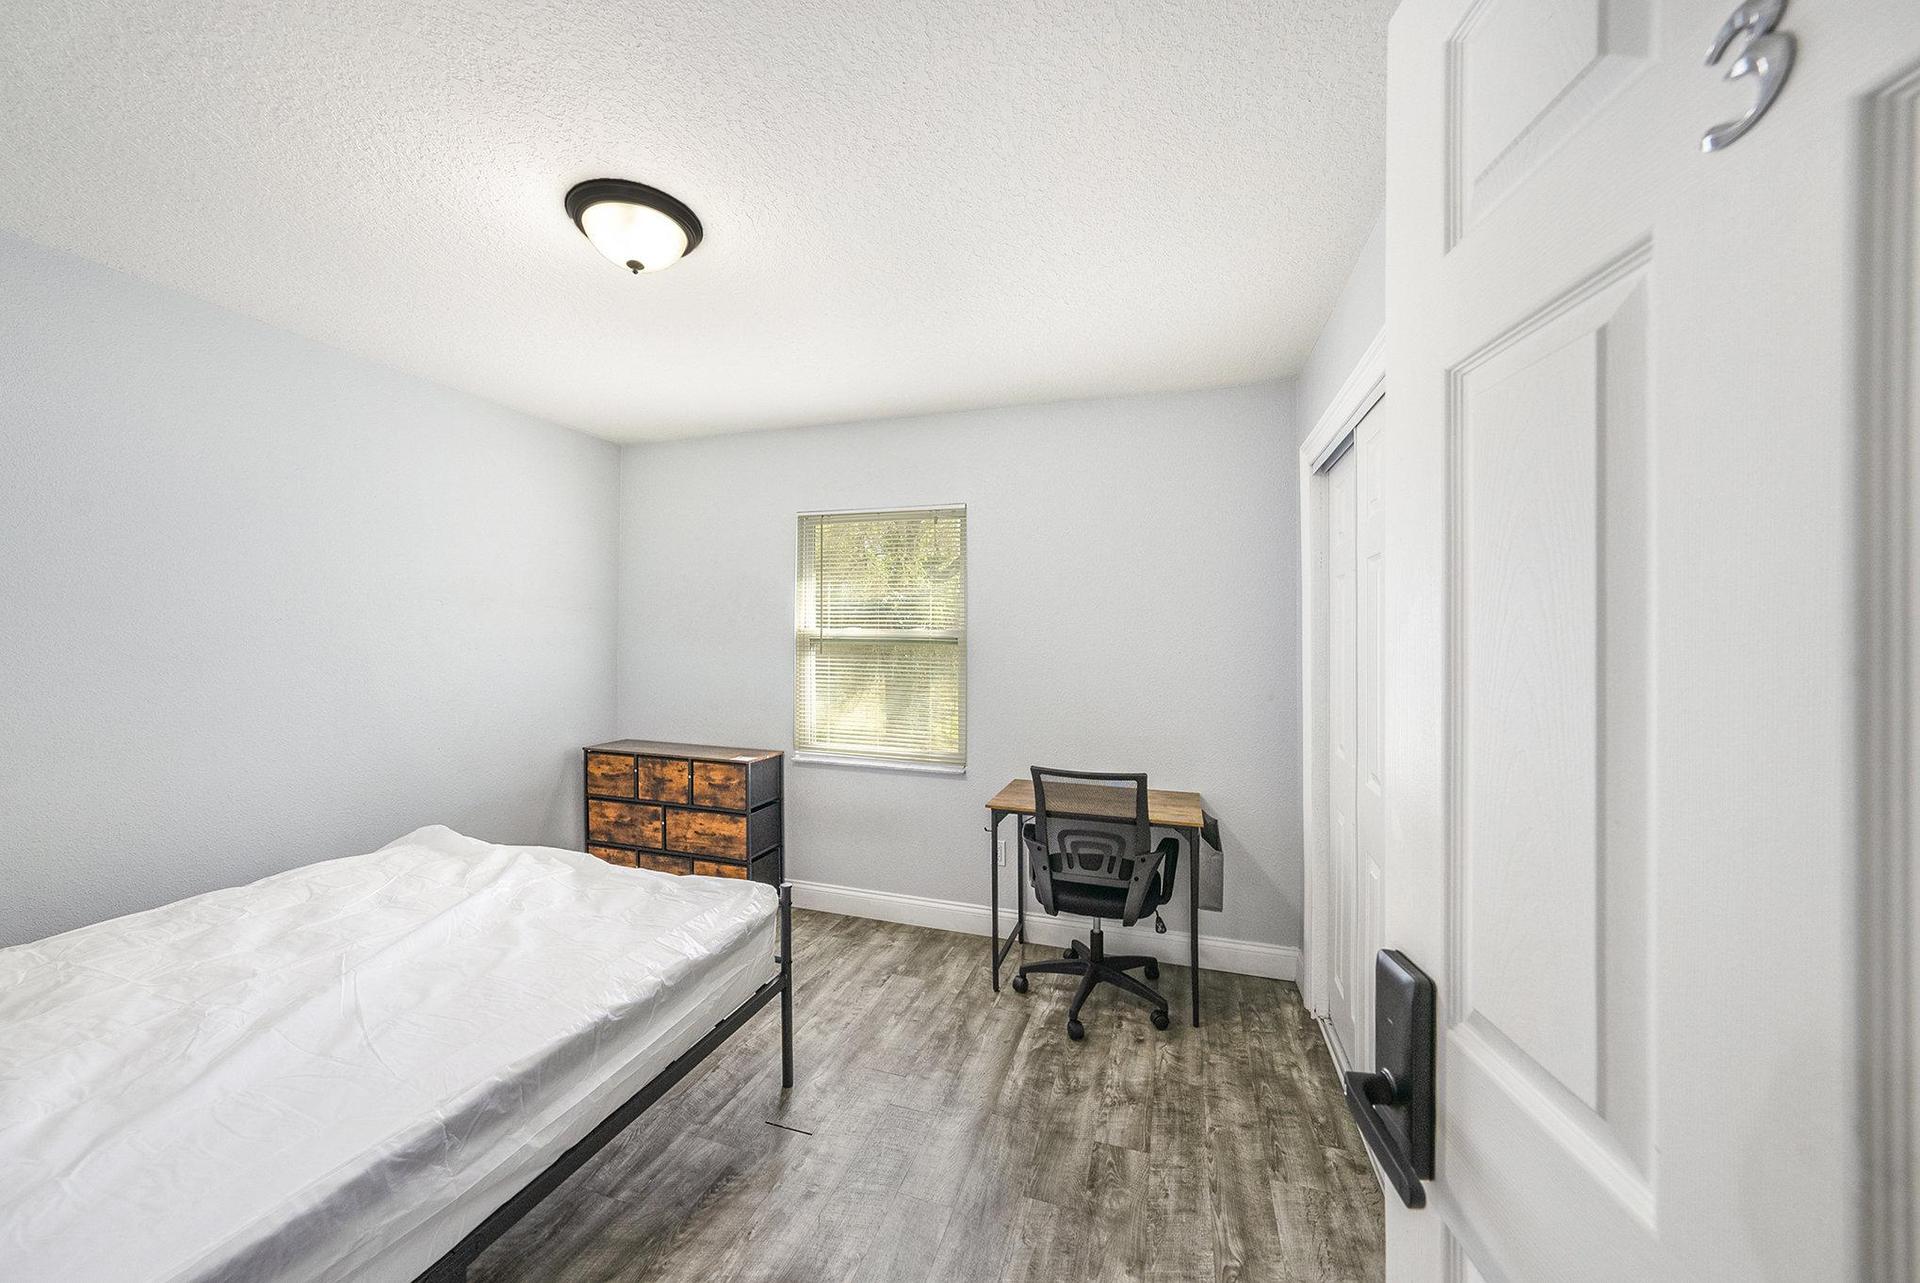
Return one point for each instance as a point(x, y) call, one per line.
point(641, 229)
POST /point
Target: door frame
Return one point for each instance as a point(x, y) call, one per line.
point(1889, 412)
point(1330, 436)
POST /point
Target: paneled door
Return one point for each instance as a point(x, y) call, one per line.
point(1640, 390)
point(1355, 798)
point(1346, 986)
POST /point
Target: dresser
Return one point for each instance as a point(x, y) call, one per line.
point(686, 808)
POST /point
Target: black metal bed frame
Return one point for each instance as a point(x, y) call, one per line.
point(453, 1266)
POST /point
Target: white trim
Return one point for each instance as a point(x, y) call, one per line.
point(1358, 394)
point(1338, 1055)
point(878, 512)
point(1349, 405)
point(1890, 662)
point(811, 758)
point(1242, 957)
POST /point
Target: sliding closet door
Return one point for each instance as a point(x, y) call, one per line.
point(1346, 995)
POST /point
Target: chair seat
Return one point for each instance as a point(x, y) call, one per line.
point(1090, 900)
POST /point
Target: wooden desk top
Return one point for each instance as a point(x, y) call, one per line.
point(1166, 808)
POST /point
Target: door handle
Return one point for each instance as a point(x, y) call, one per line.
point(1393, 1104)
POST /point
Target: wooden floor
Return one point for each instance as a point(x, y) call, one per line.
point(938, 1130)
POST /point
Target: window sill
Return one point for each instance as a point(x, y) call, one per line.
point(878, 764)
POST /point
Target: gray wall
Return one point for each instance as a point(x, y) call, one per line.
point(1356, 318)
point(1133, 589)
point(263, 603)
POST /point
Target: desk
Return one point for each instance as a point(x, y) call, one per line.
point(1184, 813)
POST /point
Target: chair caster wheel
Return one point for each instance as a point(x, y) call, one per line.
point(1160, 1020)
point(1019, 984)
point(1076, 1030)
point(1153, 970)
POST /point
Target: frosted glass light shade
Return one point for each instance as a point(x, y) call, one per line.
point(634, 236)
point(636, 227)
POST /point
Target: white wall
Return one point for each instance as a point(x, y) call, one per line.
point(1133, 606)
point(262, 603)
point(1355, 320)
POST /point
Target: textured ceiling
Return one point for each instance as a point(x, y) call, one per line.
point(909, 207)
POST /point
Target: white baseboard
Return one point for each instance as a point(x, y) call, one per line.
point(1242, 957)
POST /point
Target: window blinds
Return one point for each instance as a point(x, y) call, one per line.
point(880, 635)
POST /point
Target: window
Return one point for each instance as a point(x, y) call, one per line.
point(880, 637)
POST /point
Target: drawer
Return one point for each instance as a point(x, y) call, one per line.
point(663, 779)
point(612, 855)
point(705, 833)
point(721, 784)
point(665, 863)
point(768, 868)
point(610, 775)
point(715, 869)
point(764, 829)
point(623, 823)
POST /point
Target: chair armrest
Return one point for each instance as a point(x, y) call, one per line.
point(1165, 860)
point(1037, 869)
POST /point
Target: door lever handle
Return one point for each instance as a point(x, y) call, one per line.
point(1393, 1105)
point(1380, 1088)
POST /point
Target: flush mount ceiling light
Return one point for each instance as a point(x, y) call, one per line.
point(636, 226)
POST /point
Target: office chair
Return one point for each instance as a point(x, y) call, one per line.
point(1097, 873)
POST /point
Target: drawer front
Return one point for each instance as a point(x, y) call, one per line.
point(610, 775)
point(720, 784)
point(714, 869)
point(665, 863)
point(704, 833)
point(612, 855)
point(625, 823)
point(764, 829)
point(663, 779)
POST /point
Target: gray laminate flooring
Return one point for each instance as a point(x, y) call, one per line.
point(938, 1130)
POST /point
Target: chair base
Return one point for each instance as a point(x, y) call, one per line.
point(1090, 962)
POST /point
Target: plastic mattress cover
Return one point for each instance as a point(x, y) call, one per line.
point(336, 1072)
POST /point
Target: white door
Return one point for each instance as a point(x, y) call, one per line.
point(1623, 483)
point(1355, 800)
point(1346, 987)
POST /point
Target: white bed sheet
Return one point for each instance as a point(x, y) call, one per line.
point(336, 1072)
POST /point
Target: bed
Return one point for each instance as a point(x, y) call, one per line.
point(362, 1069)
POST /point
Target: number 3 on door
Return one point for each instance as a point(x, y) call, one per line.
point(1767, 56)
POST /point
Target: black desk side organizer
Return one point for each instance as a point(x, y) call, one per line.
point(1393, 1105)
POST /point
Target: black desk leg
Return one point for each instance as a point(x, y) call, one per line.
point(1001, 948)
point(1193, 917)
point(1020, 882)
point(993, 924)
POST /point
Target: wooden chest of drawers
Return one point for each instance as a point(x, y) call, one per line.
point(686, 808)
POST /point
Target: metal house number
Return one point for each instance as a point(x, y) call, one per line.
point(1767, 56)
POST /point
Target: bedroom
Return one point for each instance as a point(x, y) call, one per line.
point(1115, 388)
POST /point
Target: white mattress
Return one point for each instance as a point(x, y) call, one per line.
point(336, 1072)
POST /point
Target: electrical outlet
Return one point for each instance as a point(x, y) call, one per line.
point(1000, 852)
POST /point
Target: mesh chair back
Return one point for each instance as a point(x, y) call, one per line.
point(1066, 845)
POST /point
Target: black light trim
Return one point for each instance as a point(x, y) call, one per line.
point(595, 190)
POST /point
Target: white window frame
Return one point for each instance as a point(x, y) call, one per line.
point(860, 761)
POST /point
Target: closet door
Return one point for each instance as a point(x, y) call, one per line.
point(1346, 991)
